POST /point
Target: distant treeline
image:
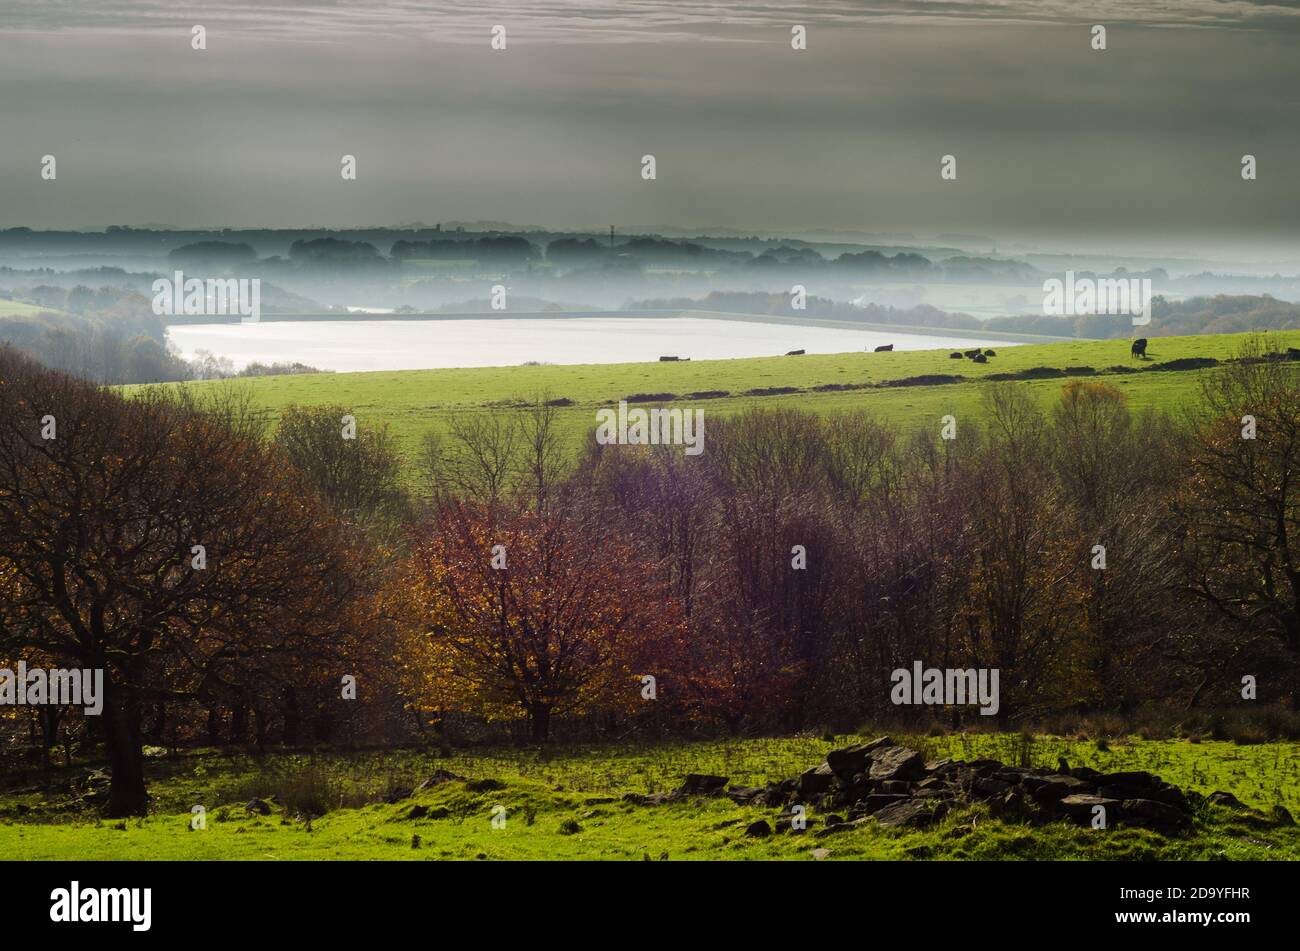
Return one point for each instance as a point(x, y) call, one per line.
point(1195, 315)
point(111, 335)
point(1221, 314)
point(108, 335)
point(627, 254)
point(778, 305)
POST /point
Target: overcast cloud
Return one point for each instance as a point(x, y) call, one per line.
point(1052, 139)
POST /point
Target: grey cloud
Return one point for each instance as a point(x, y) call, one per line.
point(646, 21)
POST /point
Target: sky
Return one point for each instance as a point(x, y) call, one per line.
point(1053, 140)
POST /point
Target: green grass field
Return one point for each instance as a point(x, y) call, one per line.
point(564, 804)
point(13, 308)
point(412, 402)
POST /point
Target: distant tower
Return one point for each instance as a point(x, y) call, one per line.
point(611, 236)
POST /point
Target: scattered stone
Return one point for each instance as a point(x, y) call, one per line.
point(897, 762)
point(816, 780)
point(1225, 799)
point(990, 786)
point(652, 799)
point(1047, 789)
point(894, 786)
point(702, 784)
point(844, 826)
point(436, 778)
point(910, 812)
point(877, 801)
point(1011, 803)
point(820, 854)
point(1157, 815)
point(848, 762)
point(1080, 808)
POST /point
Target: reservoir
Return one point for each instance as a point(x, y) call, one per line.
point(356, 345)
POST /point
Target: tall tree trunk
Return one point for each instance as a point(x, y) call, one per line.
point(49, 717)
point(214, 725)
point(291, 717)
point(238, 723)
point(156, 732)
point(259, 726)
point(540, 719)
point(127, 795)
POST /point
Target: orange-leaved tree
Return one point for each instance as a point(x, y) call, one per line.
point(512, 613)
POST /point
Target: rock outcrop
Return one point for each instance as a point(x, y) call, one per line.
point(892, 785)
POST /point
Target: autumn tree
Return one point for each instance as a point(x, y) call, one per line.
point(1240, 506)
point(512, 612)
point(151, 541)
point(1021, 571)
point(1112, 469)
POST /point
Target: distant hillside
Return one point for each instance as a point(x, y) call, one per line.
point(1222, 314)
point(1196, 315)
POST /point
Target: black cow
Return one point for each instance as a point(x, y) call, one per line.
point(990, 353)
point(955, 355)
point(1139, 348)
point(980, 358)
point(973, 353)
point(884, 349)
point(795, 353)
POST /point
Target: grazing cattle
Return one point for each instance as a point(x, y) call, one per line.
point(955, 355)
point(1139, 348)
point(973, 353)
point(980, 358)
point(990, 353)
point(884, 349)
point(669, 359)
point(795, 353)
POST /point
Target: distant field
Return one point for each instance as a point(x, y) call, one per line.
point(413, 402)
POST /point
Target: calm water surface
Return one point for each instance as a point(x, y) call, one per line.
point(418, 344)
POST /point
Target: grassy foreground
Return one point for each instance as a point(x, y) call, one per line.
point(565, 805)
point(413, 402)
